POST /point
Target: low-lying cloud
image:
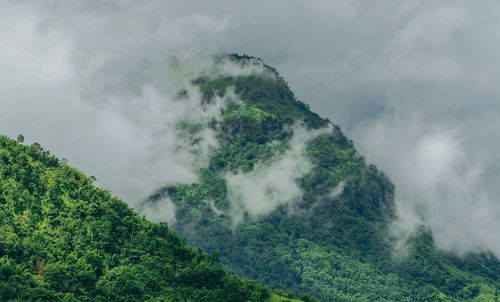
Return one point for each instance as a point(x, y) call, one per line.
point(88, 80)
point(438, 178)
point(108, 100)
point(272, 183)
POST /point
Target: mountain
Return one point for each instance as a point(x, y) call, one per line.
point(281, 196)
point(63, 239)
point(285, 198)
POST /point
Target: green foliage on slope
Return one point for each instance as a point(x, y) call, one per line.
point(268, 92)
point(63, 239)
point(334, 243)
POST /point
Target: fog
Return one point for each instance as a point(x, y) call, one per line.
point(272, 183)
point(413, 83)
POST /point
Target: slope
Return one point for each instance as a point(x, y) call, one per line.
point(63, 239)
point(286, 199)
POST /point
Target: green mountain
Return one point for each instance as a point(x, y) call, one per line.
point(282, 197)
point(287, 200)
point(63, 239)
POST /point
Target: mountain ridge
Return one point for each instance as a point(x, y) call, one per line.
point(63, 239)
point(348, 233)
point(281, 196)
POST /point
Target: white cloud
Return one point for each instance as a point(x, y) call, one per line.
point(421, 50)
point(162, 210)
point(438, 178)
point(101, 90)
point(272, 183)
point(75, 76)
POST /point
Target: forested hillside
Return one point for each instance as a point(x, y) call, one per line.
point(282, 199)
point(63, 239)
point(286, 199)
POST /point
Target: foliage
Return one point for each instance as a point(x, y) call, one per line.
point(270, 93)
point(336, 247)
point(63, 239)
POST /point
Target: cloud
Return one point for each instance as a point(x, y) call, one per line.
point(272, 183)
point(331, 196)
point(75, 76)
point(438, 178)
point(110, 104)
point(162, 210)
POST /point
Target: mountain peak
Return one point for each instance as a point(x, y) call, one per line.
point(285, 198)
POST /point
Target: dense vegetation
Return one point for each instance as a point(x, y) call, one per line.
point(334, 247)
point(62, 239)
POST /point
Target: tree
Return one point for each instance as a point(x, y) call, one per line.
point(20, 138)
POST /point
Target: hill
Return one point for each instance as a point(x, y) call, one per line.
point(286, 199)
point(63, 239)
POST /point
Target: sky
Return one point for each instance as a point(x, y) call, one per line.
point(413, 83)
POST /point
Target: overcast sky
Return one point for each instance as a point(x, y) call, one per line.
point(415, 84)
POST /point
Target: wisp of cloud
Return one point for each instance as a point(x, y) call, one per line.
point(414, 83)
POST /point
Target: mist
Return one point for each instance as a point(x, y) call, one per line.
point(439, 180)
point(113, 114)
point(414, 84)
point(272, 183)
